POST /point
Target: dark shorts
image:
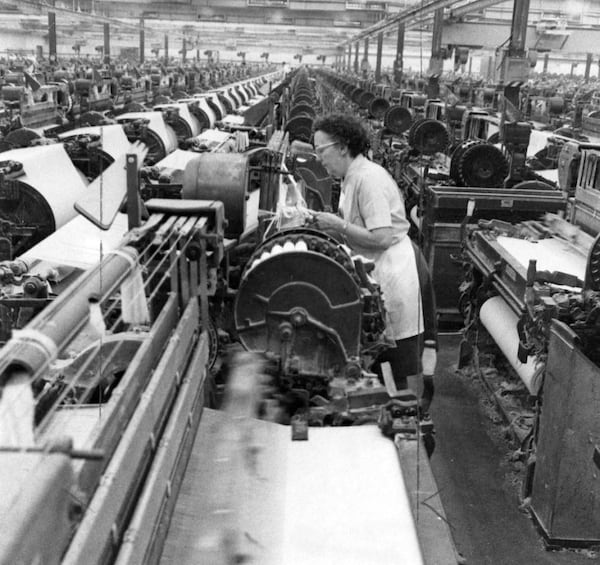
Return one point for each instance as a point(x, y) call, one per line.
point(404, 359)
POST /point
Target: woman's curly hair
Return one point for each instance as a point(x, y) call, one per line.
point(345, 129)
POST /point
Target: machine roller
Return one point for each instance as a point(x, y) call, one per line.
point(151, 128)
point(39, 186)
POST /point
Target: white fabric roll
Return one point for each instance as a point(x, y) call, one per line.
point(501, 323)
point(50, 171)
point(114, 140)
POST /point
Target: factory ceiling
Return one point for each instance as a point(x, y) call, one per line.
point(326, 27)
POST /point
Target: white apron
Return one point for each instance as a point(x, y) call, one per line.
point(396, 272)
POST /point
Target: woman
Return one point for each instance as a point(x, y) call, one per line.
point(372, 219)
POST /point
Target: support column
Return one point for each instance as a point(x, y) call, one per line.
point(515, 66)
point(364, 65)
point(349, 65)
point(184, 50)
point(518, 29)
point(546, 59)
point(398, 62)
point(107, 43)
point(378, 60)
point(166, 48)
point(142, 41)
point(588, 66)
point(356, 57)
point(52, 37)
point(436, 61)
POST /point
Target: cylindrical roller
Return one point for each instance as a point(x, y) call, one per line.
point(216, 106)
point(151, 128)
point(398, 119)
point(22, 137)
point(304, 98)
point(300, 128)
point(501, 323)
point(14, 78)
point(235, 96)
point(556, 105)
point(482, 165)
point(378, 107)
point(12, 93)
point(488, 95)
point(83, 85)
point(35, 347)
point(43, 196)
point(243, 94)
point(179, 117)
point(356, 94)
point(224, 177)
point(227, 103)
point(302, 109)
point(365, 99)
point(428, 136)
point(113, 140)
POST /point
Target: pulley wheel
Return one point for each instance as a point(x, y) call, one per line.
point(378, 107)
point(135, 107)
point(22, 137)
point(302, 110)
point(428, 136)
point(179, 94)
point(93, 118)
point(356, 94)
point(303, 99)
point(397, 119)
point(456, 156)
point(161, 99)
point(300, 128)
point(365, 99)
point(482, 166)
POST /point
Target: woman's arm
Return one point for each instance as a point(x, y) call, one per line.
point(378, 238)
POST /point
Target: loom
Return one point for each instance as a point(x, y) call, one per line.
point(115, 371)
point(534, 287)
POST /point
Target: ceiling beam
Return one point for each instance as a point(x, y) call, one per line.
point(492, 34)
point(407, 17)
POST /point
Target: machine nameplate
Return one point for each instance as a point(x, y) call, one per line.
point(507, 203)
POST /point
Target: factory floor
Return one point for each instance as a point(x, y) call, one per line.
point(478, 483)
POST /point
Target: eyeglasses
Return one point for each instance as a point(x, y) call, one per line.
point(319, 148)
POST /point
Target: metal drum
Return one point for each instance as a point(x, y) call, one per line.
point(224, 177)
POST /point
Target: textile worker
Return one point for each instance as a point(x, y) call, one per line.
point(372, 219)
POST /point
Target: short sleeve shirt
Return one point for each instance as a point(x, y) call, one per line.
point(371, 198)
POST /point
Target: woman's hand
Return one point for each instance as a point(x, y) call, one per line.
point(328, 222)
